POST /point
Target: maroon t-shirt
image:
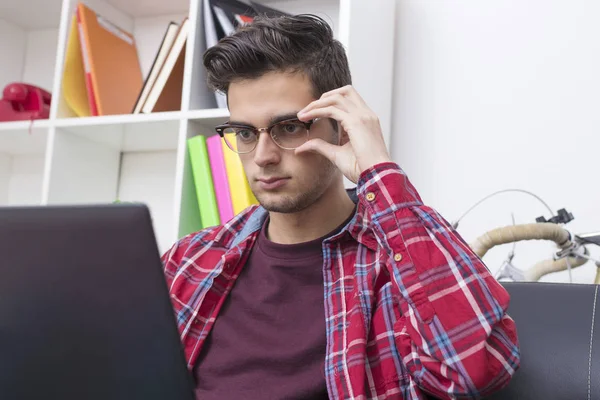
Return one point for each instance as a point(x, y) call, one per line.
point(268, 341)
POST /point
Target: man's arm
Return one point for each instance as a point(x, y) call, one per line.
point(455, 338)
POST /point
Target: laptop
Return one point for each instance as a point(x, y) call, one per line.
point(84, 307)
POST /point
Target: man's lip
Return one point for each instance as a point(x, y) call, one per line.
point(271, 180)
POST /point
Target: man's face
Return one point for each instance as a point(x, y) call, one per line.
point(281, 181)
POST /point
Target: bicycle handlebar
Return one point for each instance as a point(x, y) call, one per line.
point(517, 233)
point(548, 266)
point(537, 231)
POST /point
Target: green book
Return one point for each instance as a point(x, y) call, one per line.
point(205, 190)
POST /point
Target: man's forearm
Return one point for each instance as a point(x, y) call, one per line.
point(455, 336)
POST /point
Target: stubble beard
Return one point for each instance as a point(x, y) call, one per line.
point(303, 199)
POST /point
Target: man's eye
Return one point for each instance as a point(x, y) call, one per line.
point(290, 128)
point(245, 134)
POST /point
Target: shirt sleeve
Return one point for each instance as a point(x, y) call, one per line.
point(454, 334)
point(171, 260)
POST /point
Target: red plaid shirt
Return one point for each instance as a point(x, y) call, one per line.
point(410, 309)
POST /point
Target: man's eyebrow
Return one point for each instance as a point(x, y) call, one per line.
point(233, 122)
point(283, 117)
point(273, 120)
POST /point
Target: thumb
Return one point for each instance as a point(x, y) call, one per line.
point(319, 146)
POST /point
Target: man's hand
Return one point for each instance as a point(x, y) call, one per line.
point(364, 146)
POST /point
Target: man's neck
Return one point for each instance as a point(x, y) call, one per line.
point(331, 210)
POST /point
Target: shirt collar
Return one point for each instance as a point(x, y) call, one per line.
point(359, 227)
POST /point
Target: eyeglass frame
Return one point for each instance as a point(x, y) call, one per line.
point(221, 128)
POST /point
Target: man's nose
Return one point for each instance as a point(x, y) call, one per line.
point(266, 151)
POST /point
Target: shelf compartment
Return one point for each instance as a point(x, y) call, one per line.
point(22, 159)
point(129, 133)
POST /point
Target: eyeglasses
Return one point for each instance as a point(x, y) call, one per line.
point(288, 135)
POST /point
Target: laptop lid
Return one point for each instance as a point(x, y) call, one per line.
point(84, 307)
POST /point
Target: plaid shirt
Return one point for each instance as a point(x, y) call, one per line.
point(410, 310)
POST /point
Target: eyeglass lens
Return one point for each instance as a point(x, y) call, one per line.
point(287, 135)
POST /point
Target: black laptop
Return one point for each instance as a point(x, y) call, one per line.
point(84, 307)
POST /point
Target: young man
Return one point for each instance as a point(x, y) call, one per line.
point(321, 292)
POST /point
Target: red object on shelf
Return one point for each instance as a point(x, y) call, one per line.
point(21, 101)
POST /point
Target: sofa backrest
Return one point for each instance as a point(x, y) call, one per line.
point(558, 327)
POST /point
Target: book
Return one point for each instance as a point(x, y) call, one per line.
point(212, 37)
point(166, 91)
point(87, 69)
point(235, 7)
point(219, 175)
point(237, 12)
point(205, 192)
point(74, 85)
point(241, 194)
point(159, 59)
point(111, 63)
point(226, 24)
point(261, 9)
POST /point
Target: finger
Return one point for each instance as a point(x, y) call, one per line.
point(319, 146)
point(324, 112)
point(349, 92)
point(341, 90)
point(334, 100)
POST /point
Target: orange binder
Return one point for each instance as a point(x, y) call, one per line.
point(115, 75)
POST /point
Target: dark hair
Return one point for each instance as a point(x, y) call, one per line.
point(300, 43)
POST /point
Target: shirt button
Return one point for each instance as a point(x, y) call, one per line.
point(370, 196)
point(398, 257)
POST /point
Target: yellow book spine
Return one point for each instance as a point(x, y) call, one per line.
point(241, 195)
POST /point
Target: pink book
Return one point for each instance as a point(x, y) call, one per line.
point(219, 175)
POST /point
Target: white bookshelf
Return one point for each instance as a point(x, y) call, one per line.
point(143, 158)
point(28, 44)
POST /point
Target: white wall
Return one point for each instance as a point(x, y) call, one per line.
point(13, 41)
point(501, 94)
point(41, 47)
point(28, 52)
point(25, 183)
point(5, 175)
point(148, 177)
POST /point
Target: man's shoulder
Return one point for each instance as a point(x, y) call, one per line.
point(214, 240)
point(199, 239)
